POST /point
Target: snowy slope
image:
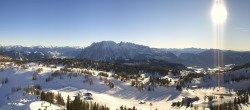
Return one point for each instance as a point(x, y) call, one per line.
point(122, 94)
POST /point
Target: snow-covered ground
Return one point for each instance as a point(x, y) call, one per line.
point(122, 94)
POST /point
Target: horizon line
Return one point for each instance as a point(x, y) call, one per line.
point(82, 47)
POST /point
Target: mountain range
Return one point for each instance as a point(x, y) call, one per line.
point(111, 51)
point(38, 52)
point(129, 53)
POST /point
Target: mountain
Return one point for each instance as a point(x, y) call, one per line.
point(38, 52)
point(209, 57)
point(184, 50)
point(130, 52)
point(109, 51)
point(11, 53)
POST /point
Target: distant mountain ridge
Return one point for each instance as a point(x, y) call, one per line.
point(177, 51)
point(129, 53)
point(38, 52)
point(111, 51)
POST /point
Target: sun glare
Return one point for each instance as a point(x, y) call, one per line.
point(218, 13)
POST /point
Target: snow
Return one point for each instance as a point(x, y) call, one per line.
point(121, 94)
point(42, 105)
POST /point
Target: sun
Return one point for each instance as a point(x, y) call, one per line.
point(218, 13)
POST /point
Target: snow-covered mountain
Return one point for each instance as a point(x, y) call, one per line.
point(125, 51)
point(209, 58)
point(184, 50)
point(111, 51)
point(37, 52)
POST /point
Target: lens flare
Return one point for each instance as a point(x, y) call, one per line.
point(219, 12)
point(219, 15)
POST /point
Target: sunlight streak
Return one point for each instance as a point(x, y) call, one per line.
point(219, 15)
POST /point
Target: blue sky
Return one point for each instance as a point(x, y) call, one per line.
point(155, 23)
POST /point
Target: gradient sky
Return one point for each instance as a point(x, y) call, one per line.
point(155, 23)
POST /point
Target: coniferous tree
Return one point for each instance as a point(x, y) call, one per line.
point(238, 101)
point(230, 105)
point(235, 101)
point(68, 103)
point(247, 98)
point(59, 99)
point(43, 95)
point(134, 108)
point(121, 108)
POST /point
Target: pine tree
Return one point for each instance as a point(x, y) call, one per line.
point(95, 107)
point(238, 101)
point(242, 99)
point(235, 101)
point(247, 98)
point(134, 108)
point(59, 99)
point(121, 108)
point(149, 88)
point(229, 105)
point(68, 103)
point(50, 96)
point(42, 95)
